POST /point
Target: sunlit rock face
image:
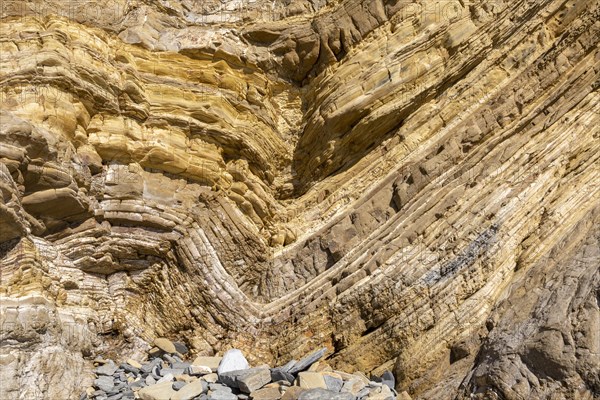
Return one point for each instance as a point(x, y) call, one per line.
point(414, 185)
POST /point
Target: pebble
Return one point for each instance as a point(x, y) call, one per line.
point(233, 360)
point(104, 383)
point(191, 390)
point(199, 370)
point(168, 376)
point(307, 361)
point(278, 374)
point(288, 366)
point(134, 363)
point(388, 379)
point(217, 386)
point(322, 394)
point(181, 347)
point(211, 378)
point(292, 393)
point(130, 368)
point(333, 381)
point(210, 362)
point(266, 394)
point(221, 395)
point(354, 386)
point(160, 391)
point(247, 380)
point(172, 371)
point(165, 345)
point(107, 369)
point(155, 352)
point(180, 365)
point(254, 379)
point(311, 380)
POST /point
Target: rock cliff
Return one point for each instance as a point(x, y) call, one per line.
point(413, 185)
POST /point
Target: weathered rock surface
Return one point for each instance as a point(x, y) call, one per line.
point(412, 185)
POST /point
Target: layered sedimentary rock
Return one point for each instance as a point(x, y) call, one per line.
point(412, 185)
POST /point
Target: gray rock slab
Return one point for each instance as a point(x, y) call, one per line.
point(388, 379)
point(181, 347)
point(288, 366)
point(278, 374)
point(104, 383)
point(307, 361)
point(108, 369)
point(334, 384)
point(247, 380)
point(221, 395)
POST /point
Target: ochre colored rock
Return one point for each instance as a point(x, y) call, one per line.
point(411, 185)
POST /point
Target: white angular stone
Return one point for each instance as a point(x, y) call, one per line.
point(233, 360)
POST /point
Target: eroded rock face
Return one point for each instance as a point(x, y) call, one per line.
point(411, 185)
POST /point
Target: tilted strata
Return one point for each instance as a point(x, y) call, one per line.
point(412, 185)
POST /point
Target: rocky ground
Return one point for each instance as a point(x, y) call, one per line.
point(165, 375)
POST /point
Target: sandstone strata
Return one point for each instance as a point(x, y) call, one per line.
point(411, 185)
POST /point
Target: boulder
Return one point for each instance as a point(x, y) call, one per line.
point(233, 360)
point(165, 345)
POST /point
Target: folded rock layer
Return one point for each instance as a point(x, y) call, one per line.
point(414, 186)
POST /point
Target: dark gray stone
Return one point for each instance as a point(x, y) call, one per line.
point(168, 358)
point(307, 361)
point(218, 386)
point(222, 395)
point(247, 380)
point(278, 374)
point(104, 383)
point(108, 369)
point(388, 379)
point(180, 347)
point(118, 387)
point(334, 384)
point(180, 365)
point(288, 366)
point(130, 368)
point(230, 378)
point(128, 393)
point(117, 396)
point(322, 394)
point(178, 385)
point(138, 384)
point(148, 367)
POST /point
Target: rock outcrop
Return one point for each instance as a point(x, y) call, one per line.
point(413, 185)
